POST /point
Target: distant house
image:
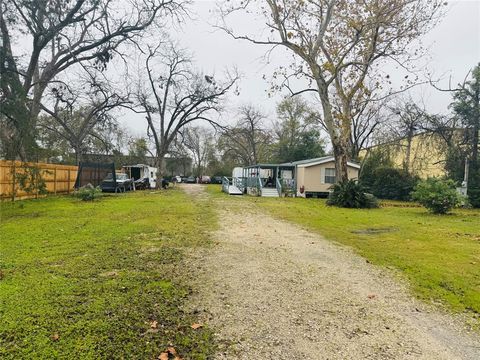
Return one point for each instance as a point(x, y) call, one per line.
point(305, 178)
point(424, 155)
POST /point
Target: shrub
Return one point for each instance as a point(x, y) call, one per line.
point(30, 179)
point(474, 197)
point(437, 195)
point(351, 194)
point(88, 192)
point(473, 191)
point(376, 158)
point(393, 184)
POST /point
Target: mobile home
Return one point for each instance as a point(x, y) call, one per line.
point(305, 178)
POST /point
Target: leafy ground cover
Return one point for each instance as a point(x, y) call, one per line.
point(100, 280)
point(439, 254)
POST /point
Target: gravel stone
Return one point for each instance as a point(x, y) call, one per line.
point(273, 290)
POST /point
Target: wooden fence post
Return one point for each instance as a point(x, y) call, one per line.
point(55, 180)
point(68, 186)
point(14, 177)
point(36, 173)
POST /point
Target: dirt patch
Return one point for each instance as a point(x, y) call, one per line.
point(276, 291)
point(109, 274)
point(374, 231)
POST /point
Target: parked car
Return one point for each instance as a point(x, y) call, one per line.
point(142, 184)
point(122, 183)
point(177, 179)
point(191, 180)
point(184, 179)
point(165, 183)
point(205, 180)
point(217, 180)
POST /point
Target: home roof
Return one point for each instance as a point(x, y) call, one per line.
point(268, 165)
point(303, 163)
point(318, 161)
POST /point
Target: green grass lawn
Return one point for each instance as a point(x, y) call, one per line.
point(440, 255)
point(90, 279)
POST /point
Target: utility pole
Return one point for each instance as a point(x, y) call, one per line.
point(464, 188)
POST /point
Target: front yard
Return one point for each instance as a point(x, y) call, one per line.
point(108, 279)
point(440, 255)
point(102, 279)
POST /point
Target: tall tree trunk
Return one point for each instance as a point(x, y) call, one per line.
point(340, 138)
point(78, 154)
point(408, 151)
point(340, 142)
point(340, 152)
point(160, 174)
point(476, 128)
point(474, 163)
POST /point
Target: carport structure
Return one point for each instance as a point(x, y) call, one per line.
point(269, 179)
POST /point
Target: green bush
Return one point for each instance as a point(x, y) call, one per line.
point(30, 179)
point(474, 188)
point(393, 184)
point(437, 195)
point(474, 197)
point(88, 192)
point(377, 158)
point(351, 194)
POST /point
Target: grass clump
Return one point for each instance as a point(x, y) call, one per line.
point(100, 280)
point(88, 192)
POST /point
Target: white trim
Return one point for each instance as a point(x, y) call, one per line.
point(354, 165)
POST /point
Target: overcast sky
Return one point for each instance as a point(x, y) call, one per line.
point(454, 48)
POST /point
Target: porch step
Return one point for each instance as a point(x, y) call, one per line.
point(233, 190)
point(269, 192)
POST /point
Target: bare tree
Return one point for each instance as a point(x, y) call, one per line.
point(77, 114)
point(199, 141)
point(62, 34)
point(408, 121)
point(175, 95)
point(367, 118)
point(339, 45)
point(247, 142)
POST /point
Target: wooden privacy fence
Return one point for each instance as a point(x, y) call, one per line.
point(18, 179)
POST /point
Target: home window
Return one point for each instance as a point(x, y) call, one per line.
point(330, 176)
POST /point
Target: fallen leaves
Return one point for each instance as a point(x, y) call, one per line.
point(153, 324)
point(196, 326)
point(55, 337)
point(371, 296)
point(169, 353)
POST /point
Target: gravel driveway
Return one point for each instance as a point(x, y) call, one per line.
point(276, 291)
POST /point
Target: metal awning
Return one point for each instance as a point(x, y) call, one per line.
point(270, 166)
